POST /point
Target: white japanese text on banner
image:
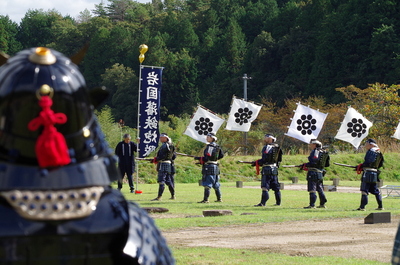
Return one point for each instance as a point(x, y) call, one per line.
point(149, 114)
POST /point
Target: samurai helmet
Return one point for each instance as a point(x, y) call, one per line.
point(44, 104)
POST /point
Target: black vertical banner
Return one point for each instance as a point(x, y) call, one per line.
point(149, 114)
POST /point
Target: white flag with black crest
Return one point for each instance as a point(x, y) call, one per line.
point(354, 128)
point(202, 123)
point(397, 132)
point(306, 123)
point(242, 114)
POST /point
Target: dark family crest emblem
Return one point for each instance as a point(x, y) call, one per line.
point(306, 124)
point(203, 126)
point(356, 128)
point(243, 115)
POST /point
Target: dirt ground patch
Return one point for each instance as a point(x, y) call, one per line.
point(348, 238)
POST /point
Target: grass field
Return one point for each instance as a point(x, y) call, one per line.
point(241, 200)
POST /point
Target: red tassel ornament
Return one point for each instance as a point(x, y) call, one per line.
point(51, 148)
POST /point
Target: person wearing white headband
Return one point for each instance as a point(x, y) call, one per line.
point(210, 171)
point(168, 139)
point(213, 136)
point(165, 167)
point(270, 160)
point(373, 160)
point(315, 141)
point(270, 136)
point(317, 161)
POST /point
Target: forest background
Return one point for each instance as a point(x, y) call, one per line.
point(327, 54)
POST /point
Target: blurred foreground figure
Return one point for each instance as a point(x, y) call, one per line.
point(396, 249)
point(56, 202)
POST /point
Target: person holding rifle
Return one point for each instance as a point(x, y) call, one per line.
point(165, 166)
point(210, 170)
point(373, 160)
point(317, 161)
point(270, 160)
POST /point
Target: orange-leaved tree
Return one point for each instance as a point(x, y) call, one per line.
point(380, 104)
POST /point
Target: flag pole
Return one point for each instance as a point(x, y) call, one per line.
point(245, 78)
point(208, 110)
point(142, 50)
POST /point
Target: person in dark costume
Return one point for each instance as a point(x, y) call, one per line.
point(165, 167)
point(56, 171)
point(373, 160)
point(270, 160)
point(210, 171)
point(125, 150)
point(317, 161)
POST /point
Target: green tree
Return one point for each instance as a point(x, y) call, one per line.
point(84, 16)
point(112, 131)
point(207, 52)
point(227, 76)
point(179, 92)
point(158, 51)
point(122, 82)
point(255, 17)
point(285, 20)
point(8, 36)
point(97, 58)
point(346, 51)
point(117, 10)
point(67, 37)
point(185, 36)
point(90, 28)
point(291, 48)
point(140, 14)
point(111, 44)
point(385, 50)
point(100, 10)
point(36, 28)
point(263, 66)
